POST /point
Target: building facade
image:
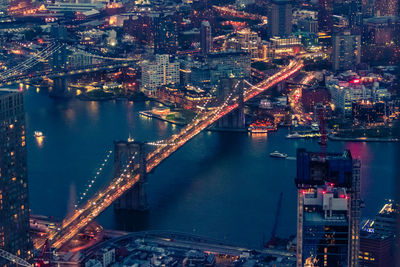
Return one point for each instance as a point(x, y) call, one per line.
point(376, 250)
point(345, 92)
point(223, 65)
point(346, 51)
point(328, 209)
point(14, 206)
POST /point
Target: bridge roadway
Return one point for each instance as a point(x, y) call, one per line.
point(64, 73)
point(74, 223)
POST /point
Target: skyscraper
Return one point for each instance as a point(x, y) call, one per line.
point(328, 211)
point(325, 15)
point(346, 52)
point(280, 18)
point(14, 208)
point(206, 39)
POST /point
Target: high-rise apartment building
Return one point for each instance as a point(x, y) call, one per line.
point(280, 18)
point(14, 208)
point(346, 51)
point(159, 72)
point(205, 38)
point(328, 211)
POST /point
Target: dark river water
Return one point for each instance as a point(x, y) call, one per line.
point(221, 185)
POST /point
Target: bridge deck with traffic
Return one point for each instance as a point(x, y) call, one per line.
point(74, 223)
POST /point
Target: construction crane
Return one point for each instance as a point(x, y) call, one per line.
point(14, 259)
point(272, 241)
point(43, 259)
point(321, 110)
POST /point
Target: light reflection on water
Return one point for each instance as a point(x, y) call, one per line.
point(217, 183)
point(39, 141)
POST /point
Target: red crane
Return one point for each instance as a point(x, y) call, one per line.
point(322, 128)
point(272, 241)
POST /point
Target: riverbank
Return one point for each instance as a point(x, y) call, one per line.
point(214, 185)
point(362, 139)
point(136, 97)
point(149, 114)
point(365, 134)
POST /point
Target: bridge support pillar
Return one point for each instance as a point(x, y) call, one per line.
point(136, 197)
point(60, 87)
point(235, 120)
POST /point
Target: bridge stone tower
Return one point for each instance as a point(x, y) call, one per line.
point(136, 197)
point(235, 119)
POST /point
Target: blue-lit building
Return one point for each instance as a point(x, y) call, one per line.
point(328, 209)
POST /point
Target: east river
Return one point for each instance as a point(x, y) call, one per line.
point(220, 185)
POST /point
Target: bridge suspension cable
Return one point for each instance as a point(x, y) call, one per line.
point(91, 182)
point(74, 49)
point(81, 208)
point(31, 61)
point(118, 186)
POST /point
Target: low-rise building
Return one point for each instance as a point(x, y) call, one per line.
point(348, 88)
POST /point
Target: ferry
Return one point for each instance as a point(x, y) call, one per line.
point(261, 129)
point(294, 136)
point(262, 126)
point(304, 131)
point(277, 154)
point(38, 134)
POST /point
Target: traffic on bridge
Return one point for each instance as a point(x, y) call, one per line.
point(74, 223)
